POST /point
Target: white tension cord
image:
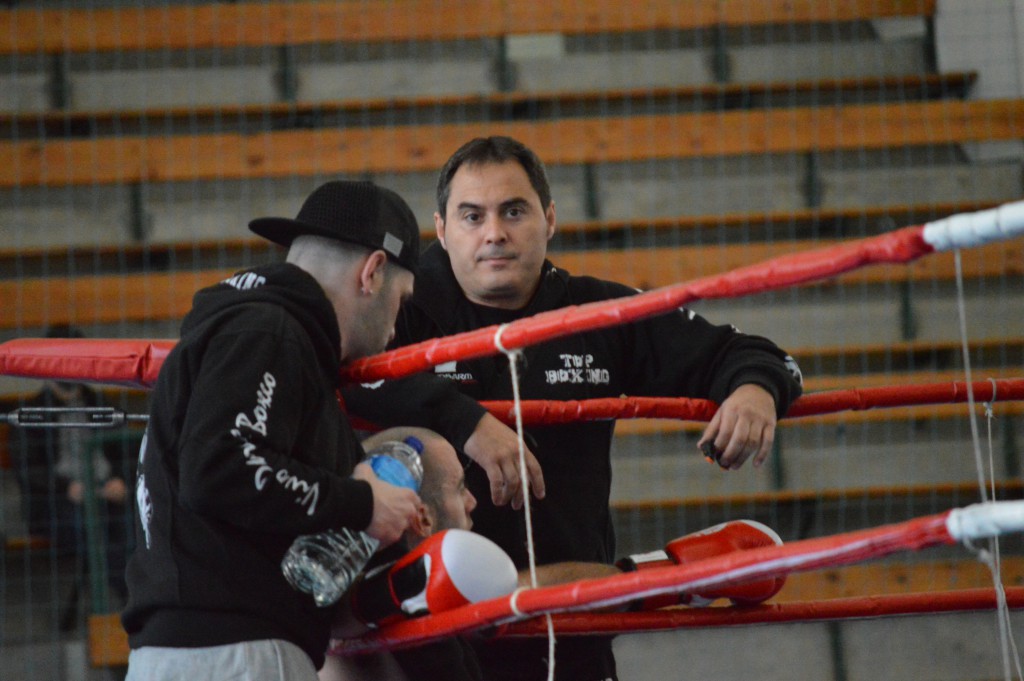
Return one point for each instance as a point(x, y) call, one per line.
point(524, 482)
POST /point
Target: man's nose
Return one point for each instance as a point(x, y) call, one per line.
point(494, 230)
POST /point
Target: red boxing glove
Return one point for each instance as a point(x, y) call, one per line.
point(449, 569)
point(735, 535)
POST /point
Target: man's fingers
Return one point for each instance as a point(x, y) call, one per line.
point(706, 443)
point(393, 510)
point(504, 478)
point(746, 426)
point(498, 488)
point(513, 485)
point(718, 440)
point(534, 479)
point(535, 474)
point(711, 430)
point(495, 447)
point(749, 440)
point(767, 439)
point(506, 481)
point(735, 449)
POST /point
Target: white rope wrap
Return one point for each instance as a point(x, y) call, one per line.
point(981, 521)
point(513, 601)
point(497, 339)
point(965, 230)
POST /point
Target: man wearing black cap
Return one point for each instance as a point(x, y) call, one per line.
point(247, 447)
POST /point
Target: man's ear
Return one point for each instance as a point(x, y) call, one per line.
point(372, 267)
point(439, 228)
point(422, 524)
point(549, 217)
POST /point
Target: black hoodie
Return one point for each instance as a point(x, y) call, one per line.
point(675, 354)
point(247, 448)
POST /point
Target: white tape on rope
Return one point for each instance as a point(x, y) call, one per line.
point(965, 230)
point(981, 521)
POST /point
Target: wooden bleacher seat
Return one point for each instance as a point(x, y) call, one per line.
point(109, 298)
point(424, 148)
point(663, 266)
point(879, 580)
point(240, 155)
point(1005, 489)
point(192, 255)
point(902, 356)
point(181, 26)
point(517, 104)
point(881, 378)
point(108, 641)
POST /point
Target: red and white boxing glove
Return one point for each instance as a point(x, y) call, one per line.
point(448, 569)
point(735, 535)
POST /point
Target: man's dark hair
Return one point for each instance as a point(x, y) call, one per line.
point(497, 149)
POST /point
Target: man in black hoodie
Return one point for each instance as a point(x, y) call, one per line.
point(489, 266)
point(247, 446)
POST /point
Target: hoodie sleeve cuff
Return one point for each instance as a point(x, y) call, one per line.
point(356, 504)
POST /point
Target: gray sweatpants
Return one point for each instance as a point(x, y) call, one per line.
point(269, 660)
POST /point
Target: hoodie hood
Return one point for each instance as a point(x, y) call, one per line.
point(283, 285)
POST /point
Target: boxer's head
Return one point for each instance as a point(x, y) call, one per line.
point(447, 504)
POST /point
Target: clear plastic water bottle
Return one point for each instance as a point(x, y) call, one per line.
point(326, 564)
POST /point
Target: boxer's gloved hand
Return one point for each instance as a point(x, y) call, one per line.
point(447, 570)
point(735, 535)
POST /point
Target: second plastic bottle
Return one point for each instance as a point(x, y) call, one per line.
point(326, 564)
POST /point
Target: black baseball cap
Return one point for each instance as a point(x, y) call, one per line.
point(360, 213)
